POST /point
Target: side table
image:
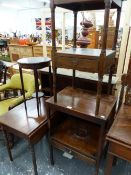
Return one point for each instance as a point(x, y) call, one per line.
point(32, 128)
point(33, 63)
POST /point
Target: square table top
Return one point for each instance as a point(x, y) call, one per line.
point(82, 103)
point(17, 120)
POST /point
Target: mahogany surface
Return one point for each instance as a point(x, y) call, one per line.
point(85, 143)
point(19, 123)
point(78, 5)
point(83, 104)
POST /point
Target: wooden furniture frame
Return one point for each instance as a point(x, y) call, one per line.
point(92, 60)
point(120, 132)
point(33, 63)
point(78, 107)
point(32, 128)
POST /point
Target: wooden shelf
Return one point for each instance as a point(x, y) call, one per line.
point(83, 59)
point(81, 103)
point(78, 5)
point(78, 136)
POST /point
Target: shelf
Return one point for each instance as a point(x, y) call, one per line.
point(79, 5)
point(77, 136)
point(83, 59)
point(87, 52)
point(82, 104)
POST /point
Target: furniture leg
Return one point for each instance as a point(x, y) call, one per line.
point(110, 159)
point(100, 146)
point(49, 135)
point(10, 140)
point(33, 158)
point(51, 150)
point(54, 85)
point(37, 89)
point(7, 144)
point(50, 81)
point(22, 84)
point(110, 79)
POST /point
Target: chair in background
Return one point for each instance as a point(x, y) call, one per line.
point(15, 84)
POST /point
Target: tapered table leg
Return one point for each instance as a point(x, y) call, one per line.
point(33, 158)
point(7, 144)
point(110, 159)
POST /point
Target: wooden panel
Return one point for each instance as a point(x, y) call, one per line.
point(120, 150)
point(77, 135)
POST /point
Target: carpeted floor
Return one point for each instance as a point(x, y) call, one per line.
point(22, 164)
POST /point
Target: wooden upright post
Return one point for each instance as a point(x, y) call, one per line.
point(117, 28)
point(112, 68)
point(101, 65)
point(53, 48)
point(74, 44)
point(75, 29)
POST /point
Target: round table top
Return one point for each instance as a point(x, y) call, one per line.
point(33, 60)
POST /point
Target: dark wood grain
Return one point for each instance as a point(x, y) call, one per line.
point(83, 104)
point(79, 5)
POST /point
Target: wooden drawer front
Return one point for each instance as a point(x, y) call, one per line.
point(25, 52)
point(38, 54)
point(14, 49)
point(87, 65)
point(66, 62)
point(38, 49)
point(120, 150)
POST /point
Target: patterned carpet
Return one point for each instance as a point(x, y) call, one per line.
point(22, 164)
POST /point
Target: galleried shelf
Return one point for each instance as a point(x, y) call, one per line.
point(85, 117)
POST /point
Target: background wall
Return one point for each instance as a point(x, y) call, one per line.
point(20, 15)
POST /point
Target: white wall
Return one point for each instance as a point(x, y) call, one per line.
point(8, 20)
point(24, 20)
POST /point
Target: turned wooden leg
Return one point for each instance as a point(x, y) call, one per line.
point(33, 158)
point(51, 151)
point(7, 144)
point(110, 159)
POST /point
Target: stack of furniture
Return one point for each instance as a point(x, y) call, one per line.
point(82, 118)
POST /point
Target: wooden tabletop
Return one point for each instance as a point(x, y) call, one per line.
point(17, 120)
point(121, 128)
point(82, 104)
point(79, 5)
point(33, 60)
point(87, 52)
